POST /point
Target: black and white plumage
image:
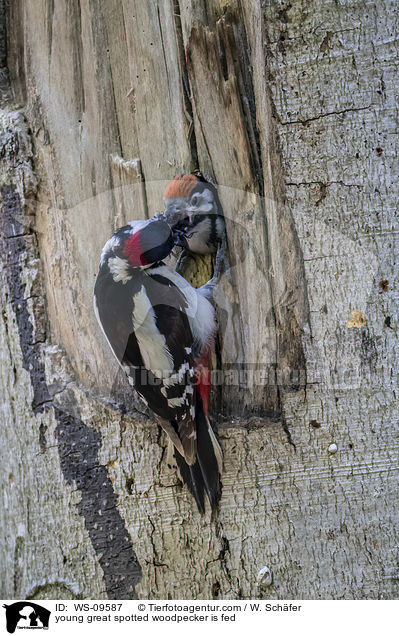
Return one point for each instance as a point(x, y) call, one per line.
point(161, 331)
point(194, 212)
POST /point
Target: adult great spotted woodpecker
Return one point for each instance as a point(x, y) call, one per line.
point(161, 331)
point(194, 211)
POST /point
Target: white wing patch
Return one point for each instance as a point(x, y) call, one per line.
point(152, 343)
point(176, 402)
point(119, 269)
point(174, 378)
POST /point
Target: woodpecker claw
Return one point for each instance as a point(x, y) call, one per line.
point(220, 259)
point(220, 262)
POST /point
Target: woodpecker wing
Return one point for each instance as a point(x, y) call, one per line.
point(144, 319)
point(170, 307)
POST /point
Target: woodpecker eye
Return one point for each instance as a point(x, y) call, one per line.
point(195, 199)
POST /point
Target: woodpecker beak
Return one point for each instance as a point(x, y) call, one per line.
point(179, 219)
point(176, 213)
point(173, 216)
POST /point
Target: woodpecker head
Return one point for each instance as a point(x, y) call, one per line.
point(187, 195)
point(139, 244)
point(192, 208)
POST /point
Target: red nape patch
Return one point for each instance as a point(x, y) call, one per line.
point(134, 251)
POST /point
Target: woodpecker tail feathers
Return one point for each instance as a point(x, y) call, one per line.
point(204, 475)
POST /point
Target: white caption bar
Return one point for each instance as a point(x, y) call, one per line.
point(216, 617)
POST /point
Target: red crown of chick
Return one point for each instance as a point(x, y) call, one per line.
point(181, 186)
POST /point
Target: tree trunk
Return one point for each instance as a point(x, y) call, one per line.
point(292, 109)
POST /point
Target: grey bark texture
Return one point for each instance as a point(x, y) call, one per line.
point(292, 109)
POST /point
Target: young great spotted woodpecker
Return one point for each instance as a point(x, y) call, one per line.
point(194, 212)
point(161, 330)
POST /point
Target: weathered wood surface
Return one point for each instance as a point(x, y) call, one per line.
point(292, 108)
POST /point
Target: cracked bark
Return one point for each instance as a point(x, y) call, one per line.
point(305, 122)
point(155, 89)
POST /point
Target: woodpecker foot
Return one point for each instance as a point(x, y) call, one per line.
point(220, 262)
point(227, 270)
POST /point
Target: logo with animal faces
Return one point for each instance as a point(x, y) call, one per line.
point(26, 615)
